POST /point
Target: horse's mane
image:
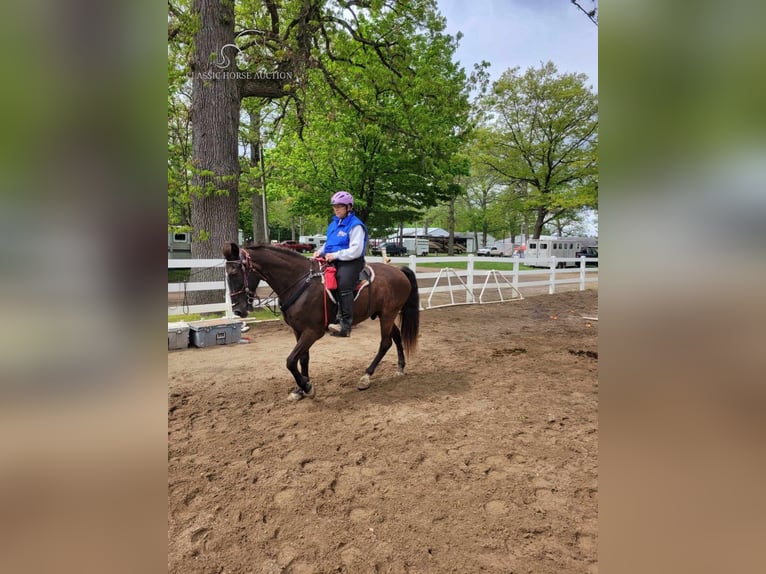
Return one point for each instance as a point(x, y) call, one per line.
point(281, 252)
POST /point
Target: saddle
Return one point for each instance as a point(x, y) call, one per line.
point(366, 277)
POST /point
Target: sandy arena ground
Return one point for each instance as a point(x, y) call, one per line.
point(482, 458)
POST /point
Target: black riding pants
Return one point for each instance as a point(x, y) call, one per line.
point(347, 273)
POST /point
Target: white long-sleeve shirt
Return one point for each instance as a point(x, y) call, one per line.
point(355, 247)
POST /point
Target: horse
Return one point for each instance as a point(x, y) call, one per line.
point(299, 284)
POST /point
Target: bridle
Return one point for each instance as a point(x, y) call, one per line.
point(246, 265)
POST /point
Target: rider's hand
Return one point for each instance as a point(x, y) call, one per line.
point(318, 254)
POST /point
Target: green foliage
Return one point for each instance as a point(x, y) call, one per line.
point(542, 141)
point(375, 104)
point(391, 135)
point(181, 27)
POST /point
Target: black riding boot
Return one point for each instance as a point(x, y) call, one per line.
point(346, 312)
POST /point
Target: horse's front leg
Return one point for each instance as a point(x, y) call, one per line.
point(301, 354)
point(303, 360)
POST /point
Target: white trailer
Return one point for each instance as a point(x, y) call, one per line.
point(540, 251)
point(316, 241)
point(418, 246)
point(180, 240)
point(179, 244)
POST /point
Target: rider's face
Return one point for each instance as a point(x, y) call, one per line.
point(340, 210)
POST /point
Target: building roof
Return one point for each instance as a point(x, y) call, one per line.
point(418, 232)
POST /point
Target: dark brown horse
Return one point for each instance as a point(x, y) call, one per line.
point(298, 283)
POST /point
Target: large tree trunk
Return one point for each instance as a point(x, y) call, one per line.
point(539, 221)
point(215, 121)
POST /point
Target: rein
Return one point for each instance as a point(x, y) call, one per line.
point(247, 265)
point(304, 283)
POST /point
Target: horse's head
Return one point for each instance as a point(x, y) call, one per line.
point(241, 277)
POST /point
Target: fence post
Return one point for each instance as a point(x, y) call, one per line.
point(515, 281)
point(582, 272)
point(552, 286)
point(227, 299)
point(469, 298)
point(413, 264)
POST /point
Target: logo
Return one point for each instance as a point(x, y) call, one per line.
point(223, 61)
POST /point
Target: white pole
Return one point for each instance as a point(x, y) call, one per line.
point(552, 286)
point(469, 294)
point(229, 310)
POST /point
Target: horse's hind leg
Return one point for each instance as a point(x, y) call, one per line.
point(386, 325)
point(397, 337)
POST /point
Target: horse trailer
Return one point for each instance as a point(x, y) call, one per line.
point(179, 244)
point(540, 251)
point(316, 241)
point(416, 245)
point(180, 240)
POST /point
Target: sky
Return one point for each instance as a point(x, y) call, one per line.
point(524, 33)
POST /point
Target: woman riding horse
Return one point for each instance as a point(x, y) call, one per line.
point(346, 242)
point(305, 306)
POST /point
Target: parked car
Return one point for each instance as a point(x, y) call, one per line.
point(490, 252)
point(589, 252)
point(296, 246)
point(392, 249)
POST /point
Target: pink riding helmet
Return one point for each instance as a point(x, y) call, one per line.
point(342, 198)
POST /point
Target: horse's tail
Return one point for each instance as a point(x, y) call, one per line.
point(411, 314)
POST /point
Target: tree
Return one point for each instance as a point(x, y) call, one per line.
point(179, 135)
point(284, 50)
point(543, 140)
point(395, 161)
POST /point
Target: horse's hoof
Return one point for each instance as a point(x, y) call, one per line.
point(364, 383)
point(298, 393)
point(399, 372)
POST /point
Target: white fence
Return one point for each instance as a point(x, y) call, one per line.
point(437, 288)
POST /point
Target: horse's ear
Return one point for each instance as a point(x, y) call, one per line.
point(231, 251)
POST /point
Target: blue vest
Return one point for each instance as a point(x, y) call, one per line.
point(338, 233)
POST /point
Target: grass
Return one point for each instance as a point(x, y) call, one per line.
point(178, 275)
point(482, 265)
point(258, 315)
